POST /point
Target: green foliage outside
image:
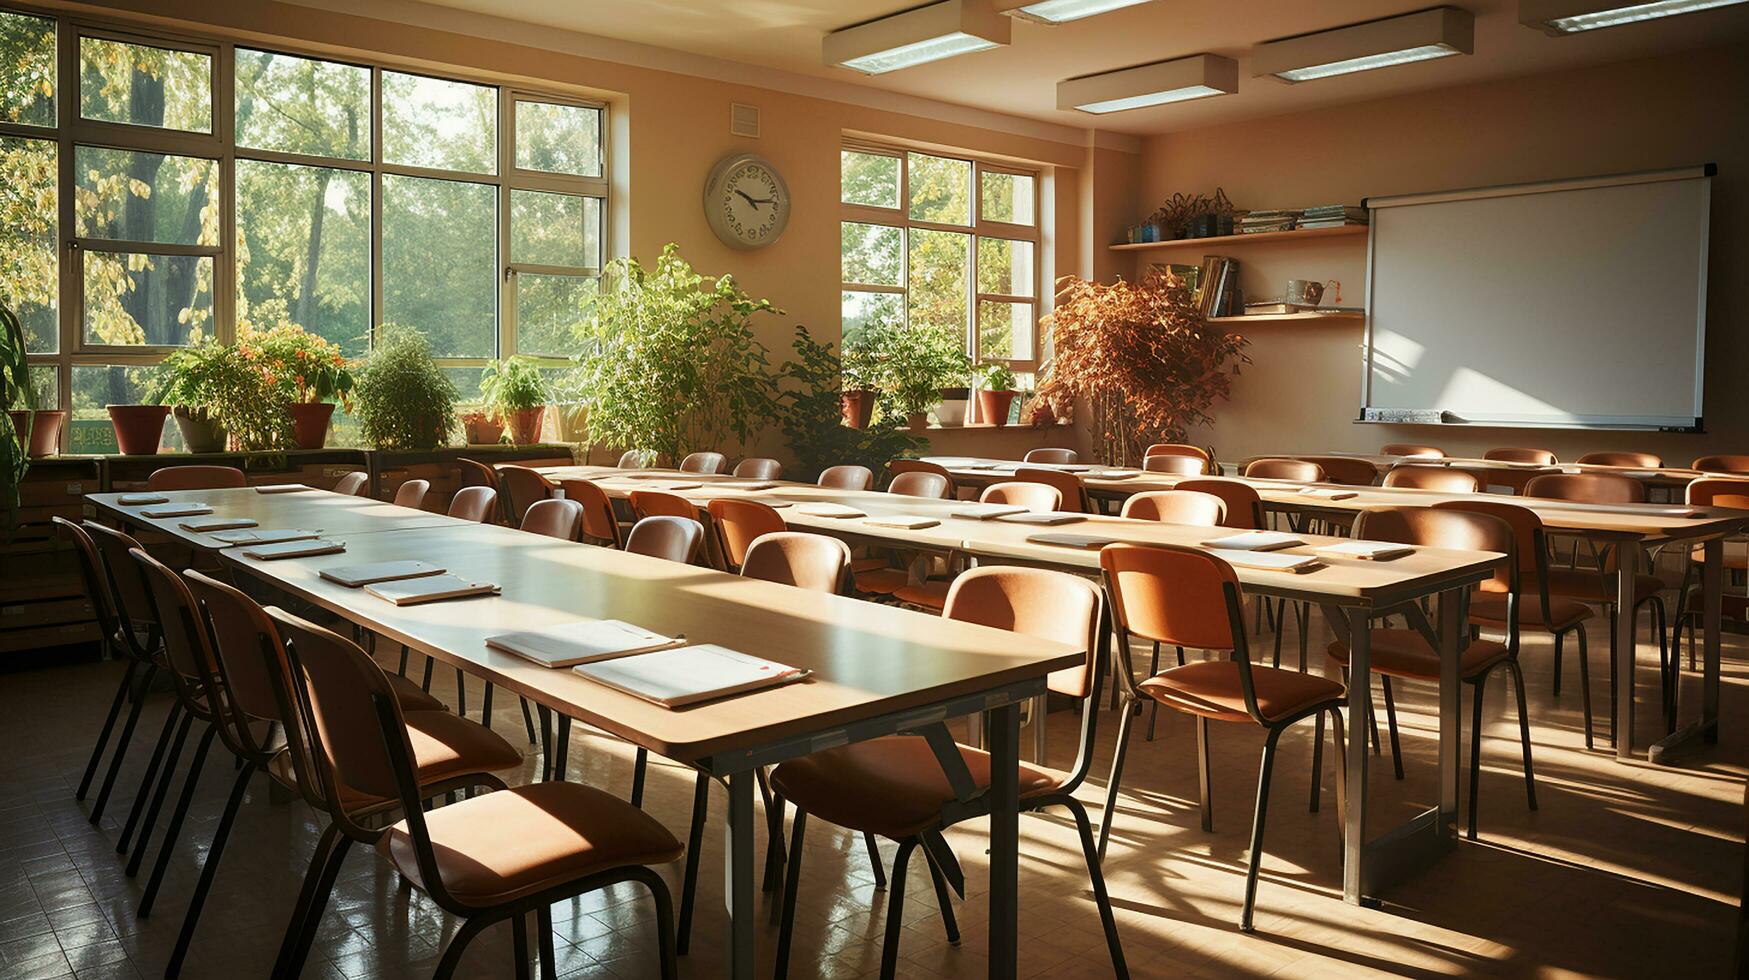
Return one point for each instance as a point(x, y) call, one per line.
point(403, 399)
point(810, 416)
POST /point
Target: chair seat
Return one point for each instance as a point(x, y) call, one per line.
point(444, 746)
point(1489, 609)
point(1210, 688)
point(883, 580)
point(518, 842)
point(1406, 653)
point(929, 595)
point(1589, 585)
point(411, 696)
point(891, 786)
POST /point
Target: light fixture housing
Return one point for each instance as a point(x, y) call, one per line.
point(1061, 11)
point(1562, 17)
point(1421, 36)
point(1199, 76)
point(918, 36)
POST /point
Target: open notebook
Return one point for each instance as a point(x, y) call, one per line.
point(1273, 561)
point(1049, 518)
point(274, 536)
point(570, 644)
point(370, 573)
point(987, 512)
point(828, 510)
point(687, 675)
point(1254, 541)
point(429, 588)
point(1068, 540)
point(908, 522)
point(1366, 550)
point(1327, 493)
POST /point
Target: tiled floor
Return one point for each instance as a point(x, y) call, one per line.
point(1626, 870)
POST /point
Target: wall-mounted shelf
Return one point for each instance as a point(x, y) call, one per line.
point(1340, 231)
point(1287, 317)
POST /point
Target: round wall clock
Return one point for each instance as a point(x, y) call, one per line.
point(746, 201)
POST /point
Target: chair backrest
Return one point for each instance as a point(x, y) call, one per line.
point(520, 488)
point(1712, 491)
point(553, 518)
point(634, 459)
point(1177, 449)
point(664, 536)
point(1640, 461)
point(1244, 504)
point(917, 483)
point(1444, 527)
point(1048, 455)
point(1346, 470)
point(846, 477)
point(238, 627)
point(476, 504)
point(738, 523)
point(1175, 464)
point(133, 606)
point(599, 521)
point(196, 478)
point(411, 493)
point(1529, 543)
point(1177, 507)
point(806, 561)
point(1036, 497)
point(1410, 449)
point(651, 503)
point(1068, 484)
point(1297, 470)
point(1541, 457)
point(475, 473)
point(1721, 464)
point(1591, 488)
point(92, 574)
point(759, 468)
point(353, 484)
point(704, 462)
point(1441, 478)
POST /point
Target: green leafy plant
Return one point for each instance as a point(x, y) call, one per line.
point(312, 367)
point(918, 363)
point(15, 393)
point(861, 359)
point(511, 385)
point(671, 361)
point(996, 377)
point(811, 417)
point(234, 386)
point(404, 401)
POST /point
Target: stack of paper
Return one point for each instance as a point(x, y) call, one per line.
point(280, 488)
point(265, 537)
point(1049, 518)
point(1068, 540)
point(370, 573)
point(1268, 560)
point(189, 509)
point(294, 549)
point(1254, 541)
point(908, 522)
point(570, 644)
point(207, 524)
point(429, 588)
point(1365, 550)
point(141, 499)
point(687, 675)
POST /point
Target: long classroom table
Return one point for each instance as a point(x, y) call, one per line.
point(1507, 473)
point(876, 670)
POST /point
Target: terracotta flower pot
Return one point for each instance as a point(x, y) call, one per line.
point(993, 406)
point(138, 428)
point(310, 423)
point(482, 430)
point(45, 430)
point(858, 407)
point(917, 420)
point(525, 425)
point(200, 433)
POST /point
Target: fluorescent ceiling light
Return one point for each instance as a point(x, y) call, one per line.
point(1423, 36)
point(1161, 83)
point(1061, 11)
point(919, 36)
point(1559, 17)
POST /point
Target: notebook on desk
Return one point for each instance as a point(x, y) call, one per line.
point(829, 510)
point(208, 524)
point(1049, 518)
point(688, 675)
point(1069, 540)
point(190, 509)
point(1254, 541)
point(987, 512)
point(1327, 493)
point(1365, 550)
point(370, 573)
point(280, 488)
point(908, 522)
point(294, 549)
point(141, 499)
point(429, 588)
point(1273, 561)
point(266, 537)
point(592, 641)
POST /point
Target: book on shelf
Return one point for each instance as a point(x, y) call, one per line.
point(570, 644)
point(1329, 223)
point(687, 675)
point(1336, 211)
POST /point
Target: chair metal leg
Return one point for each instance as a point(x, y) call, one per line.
point(147, 781)
point(1585, 682)
point(1318, 762)
point(527, 721)
point(209, 868)
point(1153, 669)
point(1257, 824)
point(640, 763)
point(1560, 639)
point(486, 707)
point(896, 910)
point(1096, 877)
point(1523, 732)
point(549, 960)
point(1476, 752)
point(942, 900)
point(311, 902)
point(425, 682)
point(664, 925)
point(1339, 744)
point(402, 667)
point(1123, 733)
point(1204, 775)
point(121, 696)
point(461, 693)
point(874, 859)
point(174, 830)
point(701, 798)
point(519, 944)
point(1391, 726)
point(792, 878)
point(452, 954)
point(160, 790)
point(1280, 628)
point(122, 743)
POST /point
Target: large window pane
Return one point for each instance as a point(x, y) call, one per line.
point(132, 196)
point(872, 254)
point(555, 229)
point(303, 250)
point(29, 270)
point(860, 310)
point(145, 86)
point(133, 298)
point(45, 385)
point(940, 264)
point(467, 384)
point(549, 311)
point(1005, 267)
point(98, 386)
point(868, 178)
point(1004, 330)
point(27, 69)
point(430, 122)
point(558, 139)
point(1007, 197)
point(440, 264)
point(301, 105)
point(941, 190)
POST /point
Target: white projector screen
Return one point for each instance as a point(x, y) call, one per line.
point(1574, 304)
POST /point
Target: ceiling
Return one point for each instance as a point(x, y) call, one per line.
point(1021, 79)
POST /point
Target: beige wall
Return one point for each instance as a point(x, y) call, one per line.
point(1303, 391)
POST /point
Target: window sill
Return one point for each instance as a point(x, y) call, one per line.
point(989, 427)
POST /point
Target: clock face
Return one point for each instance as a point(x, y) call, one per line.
point(746, 202)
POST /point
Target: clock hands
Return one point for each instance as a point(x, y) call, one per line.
point(755, 201)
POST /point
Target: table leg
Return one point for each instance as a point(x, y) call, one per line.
point(1712, 587)
point(1359, 696)
point(1004, 750)
point(1621, 728)
point(1452, 639)
point(738, 883)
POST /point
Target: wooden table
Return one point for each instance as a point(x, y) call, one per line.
point(877, 670)
point(334, 514)
point(1505, 473)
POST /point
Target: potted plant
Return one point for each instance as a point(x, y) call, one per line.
point(14, 390)
point(996, 393)
point(514, 393)
point(315, 371)
point(480, 427)
point(38, 429)
point(919, 364)
point(403, 399)
point(224, 392)
point(862, 373)
point(810, 414)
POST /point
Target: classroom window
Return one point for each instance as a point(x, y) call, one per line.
point(145, 85)
point(289, 104)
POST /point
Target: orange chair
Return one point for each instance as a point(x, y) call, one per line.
point(807, 561)
point(898, 467)
point(1295, 470)
point(1036, 497)
point(196, 478)
point(846, 477)
point(1541, 457)
point(1055, 456)
point(894, 787)
point(141, 666)
point(1073, 491)
point(474, 473)
point(1175, 464)
point(1593, 488)
point(1177, 507)
point(1187, 597)
point(738, 523)
point(1706, 491)
point(874, 575)
point(411, 493)
point(1441, 478)
point(520, 488)
point(1722, 464)
point(676, 539)
point(758, 468)
point(1408, 655)
point(1180, 449)
point(1638, 461)
point(477, 504)
point(1244, 505)
point(553, 518)
point(1348, 471)
point(354, 484)
point(1410, 449)
point(635, 459)
point(918, 483)
point(703, 463)
point(650, 503)
point(599, 521)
